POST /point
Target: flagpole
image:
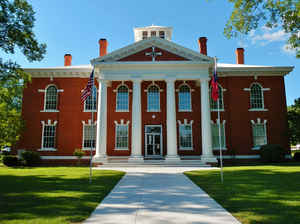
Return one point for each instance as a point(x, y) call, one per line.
point(91, 149)
point(219, 121)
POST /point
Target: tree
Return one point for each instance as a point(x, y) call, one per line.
point(294, 122)
point(16, 31)
point(247, 15)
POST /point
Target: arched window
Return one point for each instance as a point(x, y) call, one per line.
point(256, 96)
point(184, 98)
point(214, 104)
point(51, 98)
point(122, 98)
point(153, 98)
point(90, 104)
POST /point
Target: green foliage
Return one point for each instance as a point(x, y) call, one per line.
point(79, 153)
point(294, 122)
point(16, 22)
point(10, 160)
point(247, 15)
point(297, 156)
point(272, 153)
point(31, 158)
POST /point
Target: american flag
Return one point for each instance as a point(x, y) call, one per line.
point(89, 88)
point(214, 84)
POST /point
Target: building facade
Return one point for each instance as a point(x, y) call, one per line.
point(152, 101)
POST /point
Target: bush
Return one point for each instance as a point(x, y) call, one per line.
point(10, 160)
point(79, 153)
point(272, 153)
point(31, 158)
point(297, 156)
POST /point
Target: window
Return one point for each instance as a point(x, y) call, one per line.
point(48, 136)
point(51, 98)
point(162, 34)
point(122, 98)
point(145, 35)
point(259, 134)
point(185, 136)
point(184, 100)
point(153, 98)
point(215, 135)
point(90, 104)
point(256, 97)
point(214, 104)
point(153, 33)
point(89, 136)
point(121, 136)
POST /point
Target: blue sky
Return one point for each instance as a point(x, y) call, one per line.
point(76, 26)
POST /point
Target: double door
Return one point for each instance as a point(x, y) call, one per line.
point(153, 141)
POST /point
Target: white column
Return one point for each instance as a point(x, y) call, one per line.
point(171, 123)
point(207, 154)
point(101, 123)
point(136, 130)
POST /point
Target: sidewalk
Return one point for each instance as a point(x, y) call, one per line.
point(158, 195)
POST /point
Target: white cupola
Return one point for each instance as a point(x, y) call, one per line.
point(142, 33)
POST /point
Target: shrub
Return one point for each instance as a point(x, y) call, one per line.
point(30, 158)
point(297, 156)
point(79, 154)
point(272, 153)
point(10, 160)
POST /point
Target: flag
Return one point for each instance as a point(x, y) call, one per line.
point(214, 84)
point(89, 88)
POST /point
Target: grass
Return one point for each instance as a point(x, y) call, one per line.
point(255, 194)
point(52, 195)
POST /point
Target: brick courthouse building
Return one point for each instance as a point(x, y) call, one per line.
point(153, 100)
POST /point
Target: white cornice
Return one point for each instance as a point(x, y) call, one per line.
point(153, 41)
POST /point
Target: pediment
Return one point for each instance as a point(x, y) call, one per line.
point(137, 52)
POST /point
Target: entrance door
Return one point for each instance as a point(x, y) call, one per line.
point(153, 141)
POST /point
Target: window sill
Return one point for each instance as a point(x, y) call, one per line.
point(216, 110)
point(256, 148)
point(122, 110)
point(49, 111)
point(258, 109)
point(219, 149)
point(88, 149)
point(185, 111)
point(47, 149)
point(186, 149)
point(90, 111)
point(151, 111)
point(121, 149)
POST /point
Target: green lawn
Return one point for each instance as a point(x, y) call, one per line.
point(255, 194)
point(51, 195)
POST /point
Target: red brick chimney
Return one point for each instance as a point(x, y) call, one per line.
point(68, 59)
point(103, 47)
point(202, 45)
point(239, 55)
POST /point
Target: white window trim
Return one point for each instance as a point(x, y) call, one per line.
point(265, 127)
point(263, 97)
point(43, 125)
point(159, 91)
point(223, 90)
point(84, 110)
point(83, 125)
point(44, 91)
point(178, 91)
point(125, 124)
point(224, 129)
point(116, 91)
point(185, 122)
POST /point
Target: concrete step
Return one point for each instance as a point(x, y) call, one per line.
point(155, 163)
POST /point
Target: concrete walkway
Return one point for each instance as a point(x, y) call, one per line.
point(158, 195)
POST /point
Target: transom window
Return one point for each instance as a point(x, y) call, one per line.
point(214, 104)
point(90, 104)
point(215, 136)
point(162, 34)
point(153, 33)
point(153, 97)
point(51, 98)
point(49, 136)
point(89, 136)
point(256, 97)
point(185, 136)
point(145, 35)
point(259, 133)
point(184, 96)
point(121, 136)
point(122, 98)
